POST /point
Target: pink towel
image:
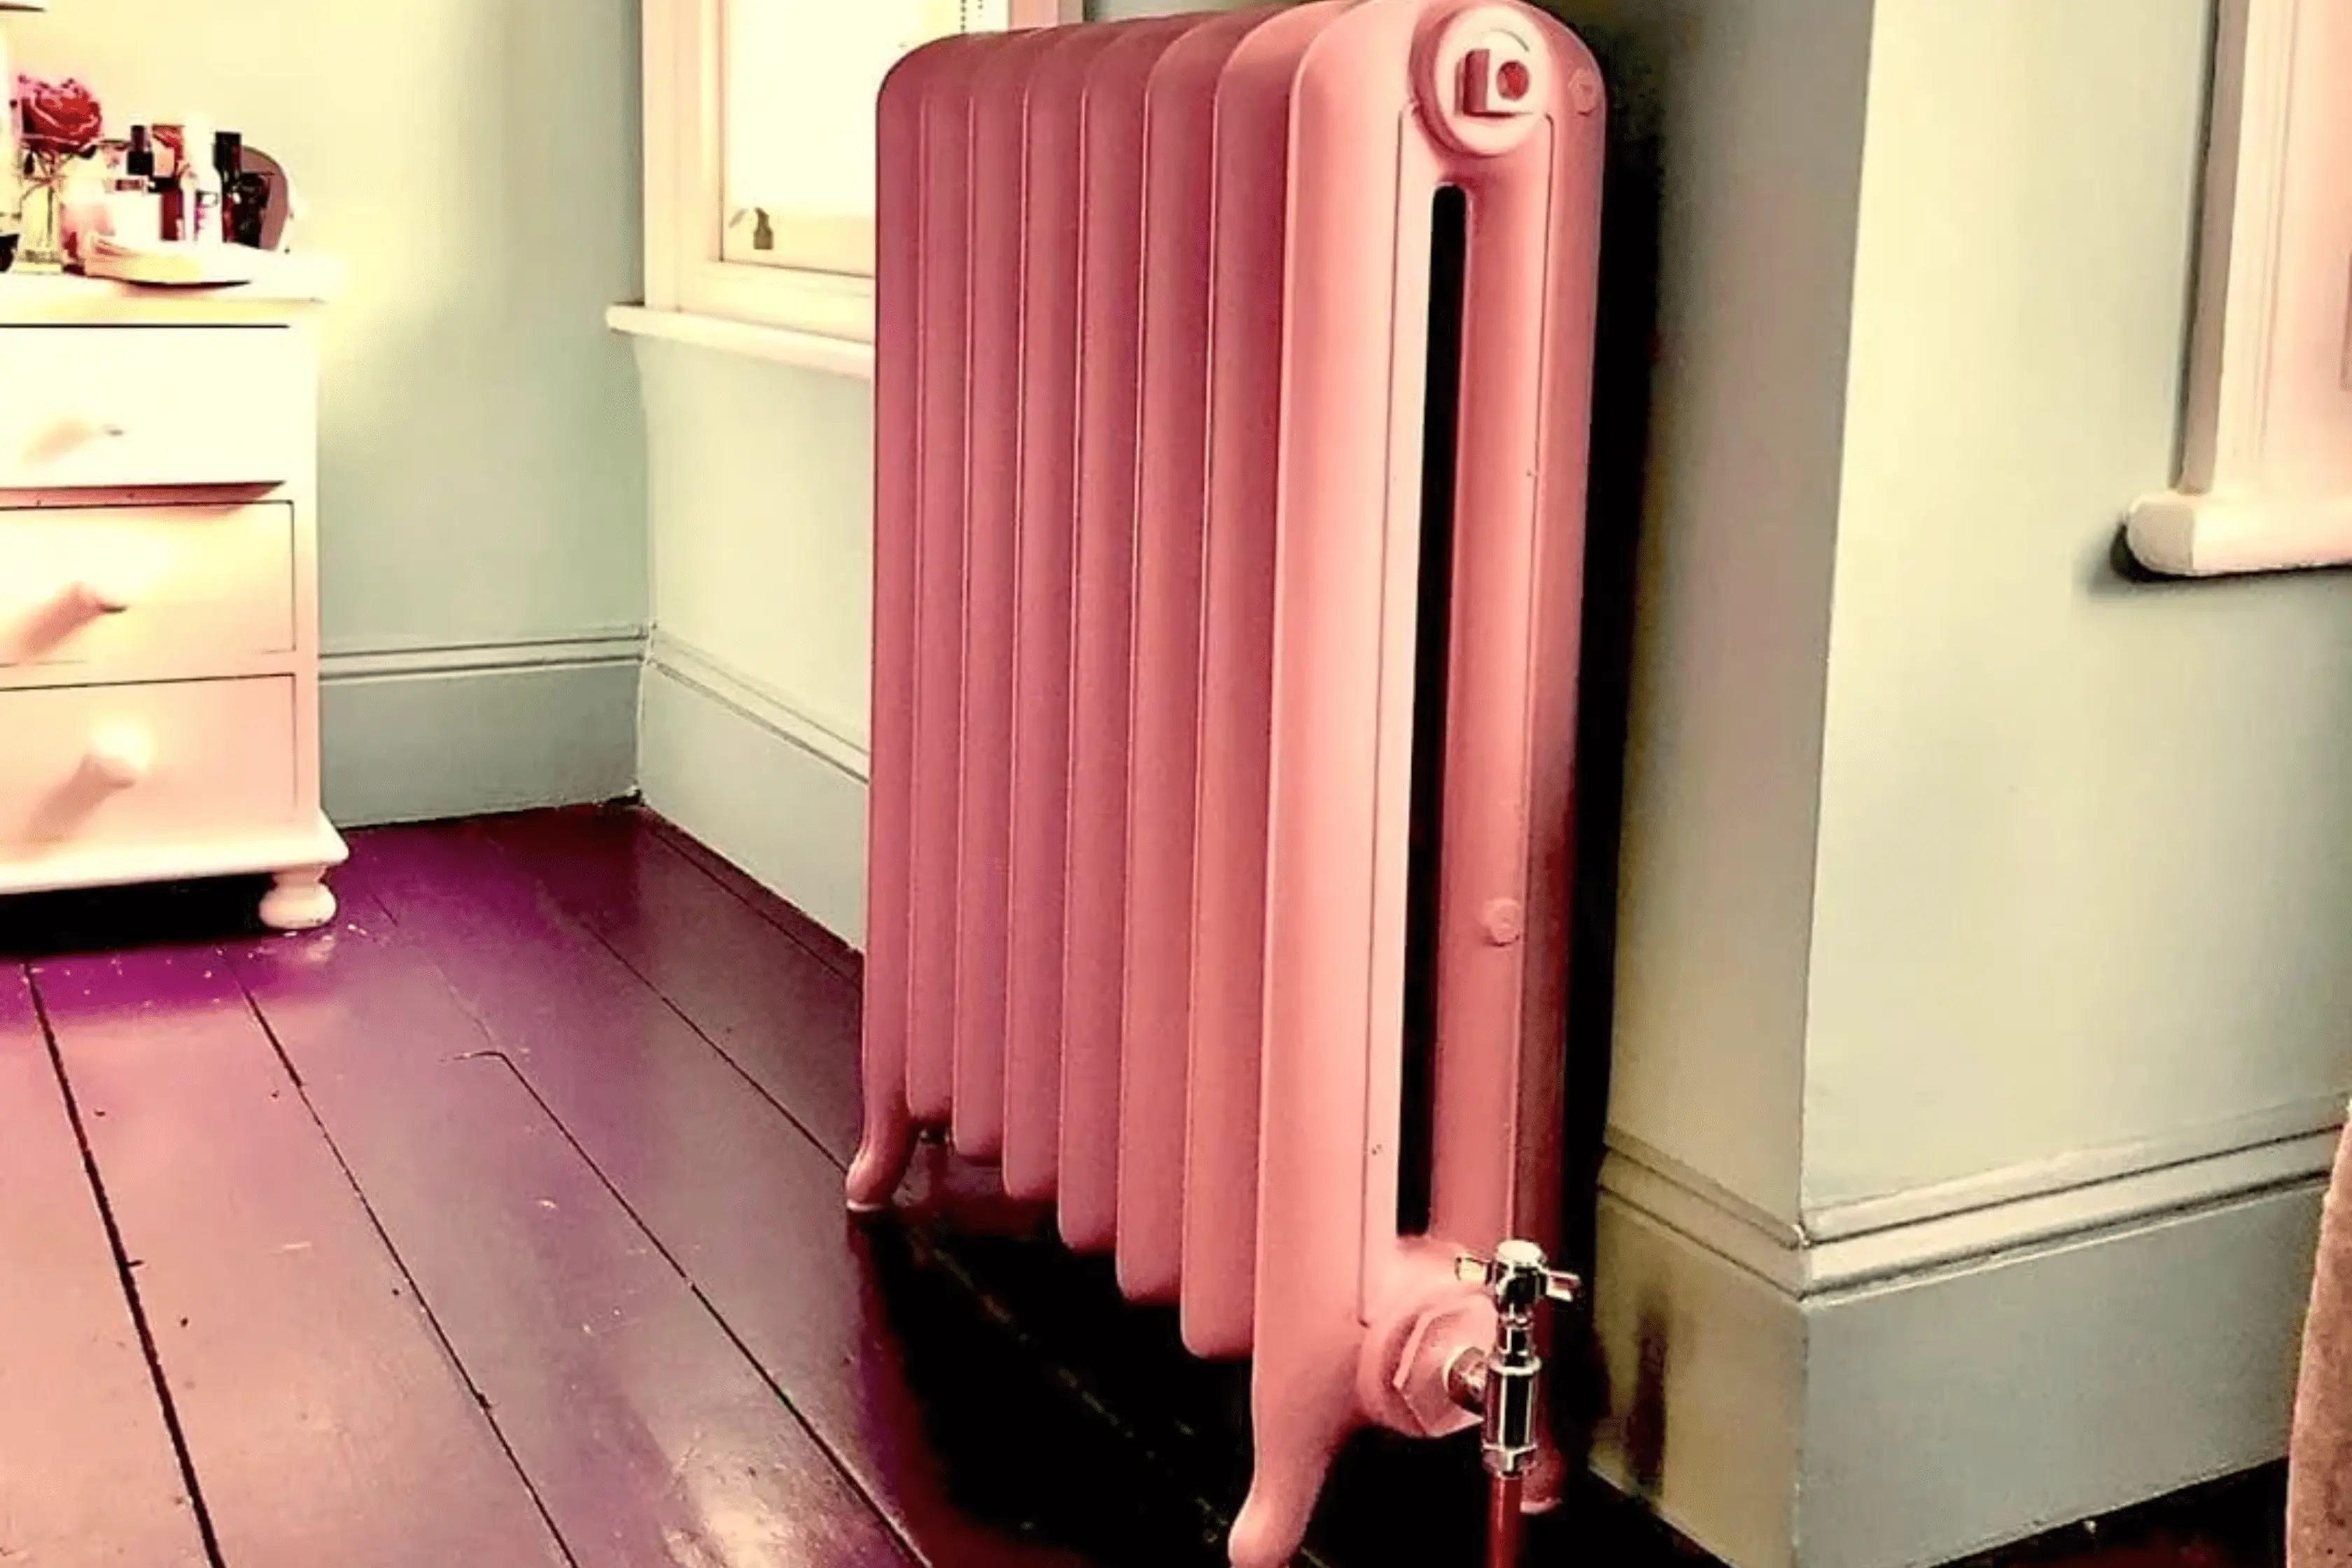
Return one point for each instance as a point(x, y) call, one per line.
point(2319, 1455)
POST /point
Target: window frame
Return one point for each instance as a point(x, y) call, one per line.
point(2263, 484)
point(687, 272)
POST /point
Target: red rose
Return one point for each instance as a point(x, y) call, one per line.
point(61, 118)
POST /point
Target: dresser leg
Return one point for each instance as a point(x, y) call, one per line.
point(298, 900)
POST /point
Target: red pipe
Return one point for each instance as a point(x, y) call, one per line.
point(1503, 1522)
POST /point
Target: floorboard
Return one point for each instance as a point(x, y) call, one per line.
point(650, 1437)
point(776, 1009)
point(325, 1421)
point(792, 1025)
point(967, 1449)
point(836, 955)
point(87, 1473)
point(595, 1086)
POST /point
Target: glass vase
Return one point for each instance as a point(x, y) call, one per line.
point(41, 247)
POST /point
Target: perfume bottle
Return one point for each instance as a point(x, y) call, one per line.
point(134, 210)
point(245, 203)
point(170, 219)
point(202, 181)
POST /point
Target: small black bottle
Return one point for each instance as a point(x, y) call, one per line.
point(245, 196)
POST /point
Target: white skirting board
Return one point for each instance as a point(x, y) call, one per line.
point(1926, 1414)
point(768, 789)
point(414, 733)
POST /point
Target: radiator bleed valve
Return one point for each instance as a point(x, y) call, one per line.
point(1499, 1383)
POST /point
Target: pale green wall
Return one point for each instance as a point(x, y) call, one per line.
point(763, 536)
point(1951, 856)
point(1752, 116)
point(475, 164)
point(2085, 861)
point(2059, 961)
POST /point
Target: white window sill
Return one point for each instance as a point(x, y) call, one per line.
point(2228, 535)
point(777, 345)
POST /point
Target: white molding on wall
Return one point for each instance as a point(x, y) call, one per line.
point(745, 774)
point(2082, 1170)
point(762, 703)
point(2259, 488)
point(1925, 1418)
point(417, 728)
point(361, 658)
point(1839, 1246)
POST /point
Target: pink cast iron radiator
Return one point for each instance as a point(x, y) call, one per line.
point(1163, 310)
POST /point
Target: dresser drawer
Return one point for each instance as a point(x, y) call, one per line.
point(105, 407)
point(88, 766)
point(196, 586)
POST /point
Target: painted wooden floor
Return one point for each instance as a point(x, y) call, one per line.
point(501, 1224)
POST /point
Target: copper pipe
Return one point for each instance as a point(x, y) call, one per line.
point(1503, 1522)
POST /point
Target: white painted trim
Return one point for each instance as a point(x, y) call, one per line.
point(777, 345)
point(2035, 1179)
point(2226, 535)
point(1667, 1193)
point(1922, 1417)
point(388, 658)
point(760, 702)
point(686, 265)
point(823, 304)
point(687, 268)
point(790, 817)
point(418, 733)
point(1839, 1246)
point(663, 129)
point(423, 727)
point(2230, 510)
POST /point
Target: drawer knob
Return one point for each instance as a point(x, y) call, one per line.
point(74, 607)
point(96, 596)
point(62, 439)
point(120, 755)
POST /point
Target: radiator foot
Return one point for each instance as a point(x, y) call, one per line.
point(1296, 1436)
point(883, 1155)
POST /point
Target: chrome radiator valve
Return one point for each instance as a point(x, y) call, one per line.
point(1500, 1382)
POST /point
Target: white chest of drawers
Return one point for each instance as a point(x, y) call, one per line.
point(159, 605)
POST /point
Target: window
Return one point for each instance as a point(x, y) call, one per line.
point(789, 85)
point(759, 158)
point(2265, 479)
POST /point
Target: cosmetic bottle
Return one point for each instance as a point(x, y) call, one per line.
point(134, 209)
point(202, 182)
point(244, 195)
point(171, 199)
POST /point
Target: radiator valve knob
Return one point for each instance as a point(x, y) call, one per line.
point(1500, 1382)
point(1517, 1276)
